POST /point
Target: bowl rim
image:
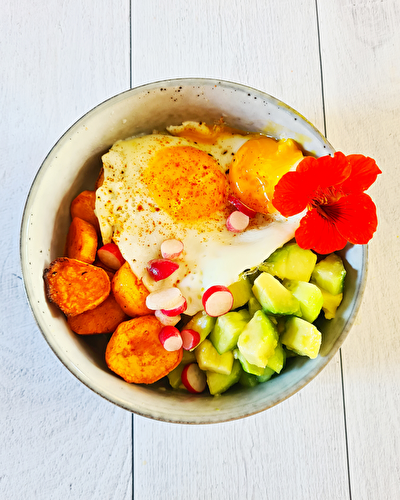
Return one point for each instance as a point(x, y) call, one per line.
point(82, 377)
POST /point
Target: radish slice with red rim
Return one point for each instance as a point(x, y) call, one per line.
point(239, 205)
point(178, 309)
point(171, 249)
point(167, 320)
point(191, 339)
point(167, 298)
point(170, 338)
point(237, 222)
point(193, 378)
point(217, 300)
point(110, 256)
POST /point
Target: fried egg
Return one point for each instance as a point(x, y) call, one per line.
point(160, 186)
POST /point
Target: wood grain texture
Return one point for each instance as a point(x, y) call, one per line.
point(362, 95)
point(296, 450)
point(57, 439)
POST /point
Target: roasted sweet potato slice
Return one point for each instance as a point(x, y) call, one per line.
point(83, 207)
point(74, 286)
point(81, 241)
point(136, 354)
point(102, 319)
point(100, 179)
point(129, 292)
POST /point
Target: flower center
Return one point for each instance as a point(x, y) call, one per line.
point(323, 200)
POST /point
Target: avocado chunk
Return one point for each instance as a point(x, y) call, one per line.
point(266, 375)
point(241, 291)
point(274, 297)
point(208, 358)
point(227, 330)
point(301, 337)
point(258, 340)
point(277, 361)
point(329, 274)
point(219, 383)
point(202, 323)
point(330, 303)
point(247, 367)
point(309, 296)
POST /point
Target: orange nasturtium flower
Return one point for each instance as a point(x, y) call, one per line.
point(332, 189)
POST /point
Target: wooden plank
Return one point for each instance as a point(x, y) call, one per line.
point(296, 450)
point(360, 46)
point(58, 439)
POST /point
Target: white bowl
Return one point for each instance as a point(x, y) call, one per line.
point(73, 165)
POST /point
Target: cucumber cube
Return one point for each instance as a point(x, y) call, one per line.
point(247, 367)
point(258, 340)
point(277, 361)
point(253, 306)
point(201, 323)
point(274, 297)
point(241, 291)
point(208, 358)
point(266, 375)
point(219, 383)
point(290, 262)
point(227, 330)
point(329, 274)
point(330, 303)
point(248, 380)
point(309, 296)
point(302, 337)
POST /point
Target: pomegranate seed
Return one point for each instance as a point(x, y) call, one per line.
point(159, 269)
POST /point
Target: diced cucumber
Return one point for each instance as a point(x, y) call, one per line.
point(267, 374)
point(244, 313)
point(258, 340)
point(253, 306)
point(241, 291)
point(329, 274)
point(227, 330)
point(247, 367)
point(290, 262)
point(330, 303)
point(174, 376)
point(277, 361)
point(201, 323)
point(248, 380)
point(309, 296)
point(302, 337)
point(219, 383)
point(208, 358)
point(274, 297)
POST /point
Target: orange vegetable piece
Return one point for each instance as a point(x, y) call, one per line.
point(100, 179)
point(136, 354)
point(74, 286)
point(102, 319)
point(129, 292)
point(83, 207)
point(107, 269)
point(82, 241)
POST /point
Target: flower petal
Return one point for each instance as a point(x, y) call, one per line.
point(292, 194)
point(319, 234)
point(354, 217)
point(364, 172)
point(326, 171)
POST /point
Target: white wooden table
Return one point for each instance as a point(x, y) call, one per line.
point(337, 62)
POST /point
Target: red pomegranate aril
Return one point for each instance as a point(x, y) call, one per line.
point(171, 249)
point(217, 300)
point(179, 309)
point(160, 269)
point(191, 339)
point(241, 206)
point(167, 320)
point(237, 222)
point(170, 338)
point(193, 378)
point(110, 256)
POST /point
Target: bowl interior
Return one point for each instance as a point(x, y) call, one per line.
point(73, 165)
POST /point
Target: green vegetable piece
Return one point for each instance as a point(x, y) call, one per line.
point(227, 330)
point(329, 274)
point(274, 297)
point(330, 303)
point(277, 361)
point(266, 375)
point(247, 367)
point(208, 358)
point(219, 383)
point(290, 262)
point(241, 291)
point(201, 323)
point(302, 337)
point(258, 340)
point(253, 306)
point(248, 380)
point(309, 296)
point(174, 377)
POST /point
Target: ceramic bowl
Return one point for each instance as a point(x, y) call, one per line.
point(73, 165)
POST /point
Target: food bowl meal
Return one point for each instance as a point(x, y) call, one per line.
point(74, 165)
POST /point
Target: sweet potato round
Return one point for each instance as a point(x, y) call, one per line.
point(129, 292)
point(83, 207)
point(82, 241)
point(74, 286)
point(136, 354)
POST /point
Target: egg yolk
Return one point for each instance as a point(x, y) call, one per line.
point(257, 167)
point(186, 183)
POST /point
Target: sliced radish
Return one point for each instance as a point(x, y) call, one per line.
point(237, 222)
point(167, 320)
point(171, 249)
point(217, 300)
point(191, 339)
point(159, 269)
point(193, 378)
point(167, 298)
point(241, 206)
point(170, 338)
point(179, 309)
point(110, 256)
